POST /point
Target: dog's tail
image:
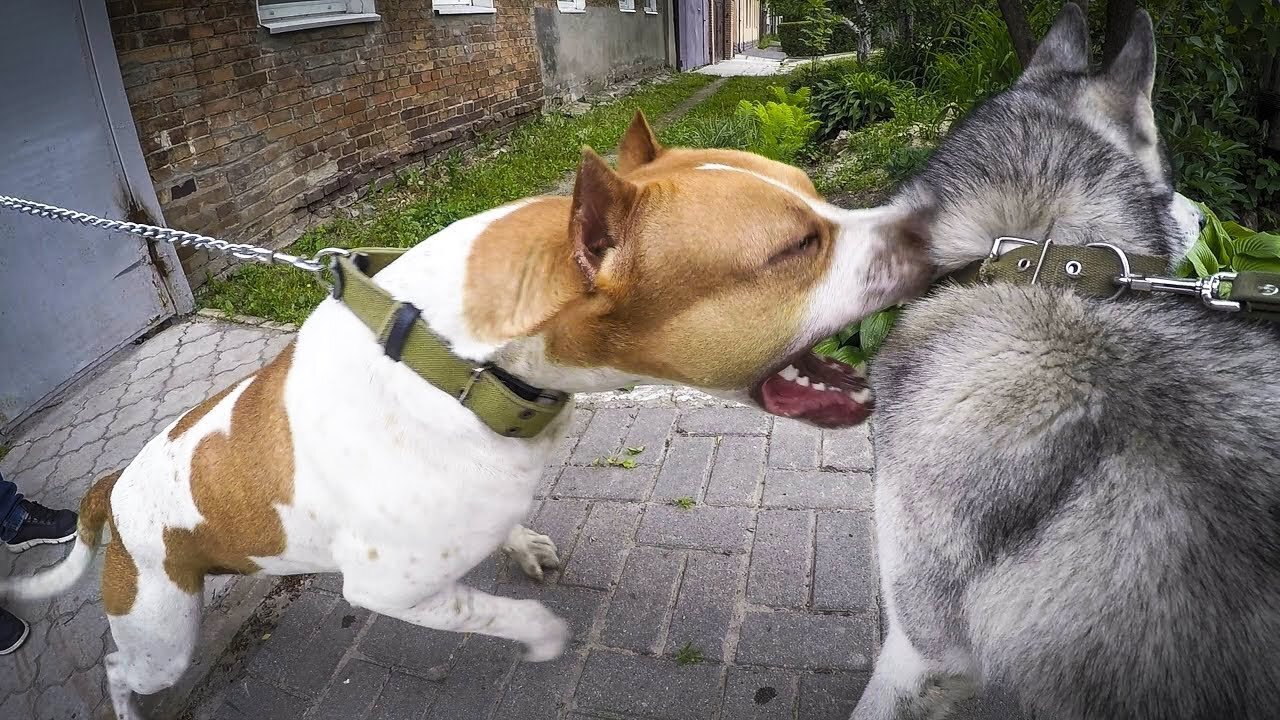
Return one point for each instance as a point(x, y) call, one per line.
point(95, 508)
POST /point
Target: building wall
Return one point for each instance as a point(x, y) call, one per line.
point(251, 137)
point(584, 51)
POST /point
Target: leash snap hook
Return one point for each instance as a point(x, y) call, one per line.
point(1211, 292)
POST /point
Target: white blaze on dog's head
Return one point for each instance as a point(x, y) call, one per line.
point(716, 269)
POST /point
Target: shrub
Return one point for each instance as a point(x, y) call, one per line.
point(848, 102)
point(843, 39)
point(794, 41)
point(781, 130)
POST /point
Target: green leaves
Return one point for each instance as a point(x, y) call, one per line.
point(855, 345)
point(782, 130)
point(1230, 246)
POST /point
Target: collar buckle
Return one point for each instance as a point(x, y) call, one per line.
point(476, 372)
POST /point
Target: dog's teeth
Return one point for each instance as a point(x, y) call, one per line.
point(819, 386)
point(791, 373)
point(862, 397)
point(802, 381)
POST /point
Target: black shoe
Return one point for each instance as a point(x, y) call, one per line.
point(43, 527)
point(13, 632)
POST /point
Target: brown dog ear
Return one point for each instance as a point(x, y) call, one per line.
point(639, 145)
point(602, 200)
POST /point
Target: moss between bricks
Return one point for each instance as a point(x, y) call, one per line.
point(533, 158)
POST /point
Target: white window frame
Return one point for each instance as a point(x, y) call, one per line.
point(307, 14)
point(572, 7)
point(463, 7)
point(627, 6)
point(650, 7)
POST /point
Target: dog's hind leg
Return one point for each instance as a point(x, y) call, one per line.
point(155, 635)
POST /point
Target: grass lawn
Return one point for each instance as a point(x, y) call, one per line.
point(711, 123)
point(532, 159)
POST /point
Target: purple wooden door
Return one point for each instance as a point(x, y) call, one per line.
point(692, 29)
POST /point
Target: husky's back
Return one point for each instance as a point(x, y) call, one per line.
point(1078, 499)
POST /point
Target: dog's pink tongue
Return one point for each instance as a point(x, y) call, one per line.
point(780, 396)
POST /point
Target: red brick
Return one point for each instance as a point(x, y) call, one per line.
point(256, 113)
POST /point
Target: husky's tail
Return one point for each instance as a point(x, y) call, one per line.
point(95, 508)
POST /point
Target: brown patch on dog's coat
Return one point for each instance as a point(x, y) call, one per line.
point(119, 573)
point(237, 479)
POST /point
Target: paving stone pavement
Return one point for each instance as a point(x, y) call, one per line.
point(98, 426)
point(738, 539)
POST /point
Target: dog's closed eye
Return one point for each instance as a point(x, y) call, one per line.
point(804, 246)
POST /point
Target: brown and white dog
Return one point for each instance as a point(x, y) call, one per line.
point(715, 269)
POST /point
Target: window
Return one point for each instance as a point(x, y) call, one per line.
point(279, 16)
point(572, 6)
point(627, 5)
point(650, 7)
point(463, 7)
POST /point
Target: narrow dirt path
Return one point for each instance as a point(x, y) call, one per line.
point(565, 186)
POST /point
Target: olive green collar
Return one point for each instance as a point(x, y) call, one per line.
point(1105, 271)
point(507, 405)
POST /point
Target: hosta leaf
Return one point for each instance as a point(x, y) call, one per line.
point(875, 328)
point(1253, 264)
point(1258, 245)
point(1202, 259)
point(850, 355)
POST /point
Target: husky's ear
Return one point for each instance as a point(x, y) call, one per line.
point(1134, 69)
point(639, 145)
point(1065, 48)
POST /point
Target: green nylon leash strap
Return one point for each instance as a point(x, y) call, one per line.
point(1258, 294)
point(506, 405)
point(1095, 271)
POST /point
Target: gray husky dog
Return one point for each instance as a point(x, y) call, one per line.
point(1078, 499)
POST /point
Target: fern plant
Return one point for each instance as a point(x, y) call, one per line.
point(781, 130)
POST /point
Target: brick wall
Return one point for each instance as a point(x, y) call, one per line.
point(251, 137)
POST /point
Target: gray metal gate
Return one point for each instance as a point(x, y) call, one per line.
point(691, 31)
point(70, 295)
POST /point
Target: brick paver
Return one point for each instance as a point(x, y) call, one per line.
point(99, 426)
point(728, 575)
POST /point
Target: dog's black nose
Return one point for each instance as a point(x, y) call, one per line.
point(1203, 220)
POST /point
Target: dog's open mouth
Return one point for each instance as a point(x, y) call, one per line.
point(819, 390)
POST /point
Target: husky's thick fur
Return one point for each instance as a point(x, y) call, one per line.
point(1077, 499)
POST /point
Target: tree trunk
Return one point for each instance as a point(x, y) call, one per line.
point(1119, 18)
point(1015, 18)
point(1271, 103)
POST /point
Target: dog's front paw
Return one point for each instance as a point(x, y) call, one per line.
point(531, 551)
point(552, 641)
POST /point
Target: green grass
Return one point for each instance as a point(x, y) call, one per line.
point(712, 123)
point(688, 655)
point(4, 450)
point(535, 157)
point(684, 503)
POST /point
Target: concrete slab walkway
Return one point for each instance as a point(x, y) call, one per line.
point(756, 66)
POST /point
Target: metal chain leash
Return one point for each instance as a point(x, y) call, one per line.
point(317, 263)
